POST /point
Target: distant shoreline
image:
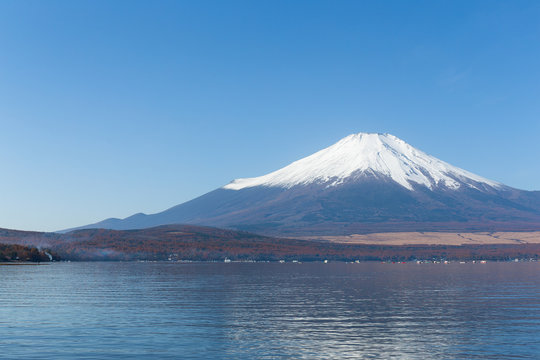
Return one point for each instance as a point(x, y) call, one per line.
point(198, 243)
point(22, 264)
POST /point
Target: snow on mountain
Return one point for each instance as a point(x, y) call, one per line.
point(367, 154)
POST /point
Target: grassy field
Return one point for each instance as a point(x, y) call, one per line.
point(434, 238)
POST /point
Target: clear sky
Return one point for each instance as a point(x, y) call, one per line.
point(108, 108)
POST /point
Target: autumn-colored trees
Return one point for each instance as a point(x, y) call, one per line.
point(10, 253)
point(198, 243)
point(211, 244)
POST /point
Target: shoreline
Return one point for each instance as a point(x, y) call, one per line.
point(22, 264)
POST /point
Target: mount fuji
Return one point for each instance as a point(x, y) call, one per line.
point(364, 183)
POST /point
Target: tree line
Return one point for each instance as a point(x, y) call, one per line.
point(11, 252)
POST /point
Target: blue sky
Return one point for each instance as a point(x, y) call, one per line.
point(112, 108)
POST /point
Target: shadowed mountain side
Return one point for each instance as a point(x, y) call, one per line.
point(362, 207)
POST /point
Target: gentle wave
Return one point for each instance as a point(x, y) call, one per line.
point(267, 310)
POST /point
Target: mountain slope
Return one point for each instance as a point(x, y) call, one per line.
point(364, 154)
point(363, 183)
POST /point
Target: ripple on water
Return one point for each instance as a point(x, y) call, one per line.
point(313, 311)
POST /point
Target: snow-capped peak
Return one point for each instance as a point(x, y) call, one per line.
point(364, 154)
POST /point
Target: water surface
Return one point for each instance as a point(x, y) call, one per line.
point(311, 310)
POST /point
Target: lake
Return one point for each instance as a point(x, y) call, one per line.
point(269, 310)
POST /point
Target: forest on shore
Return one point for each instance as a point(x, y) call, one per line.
point(21, 253)
point(198, 243)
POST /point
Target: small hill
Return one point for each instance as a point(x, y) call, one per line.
point(198, 243)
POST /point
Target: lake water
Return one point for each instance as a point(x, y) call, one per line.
point(246, 311)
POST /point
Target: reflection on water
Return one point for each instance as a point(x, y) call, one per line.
point(172, 310)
